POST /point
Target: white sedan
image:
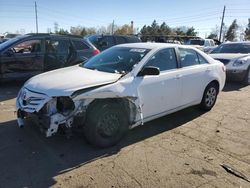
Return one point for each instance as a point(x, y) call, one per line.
point(121, 88)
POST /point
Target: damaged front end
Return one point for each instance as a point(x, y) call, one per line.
point(67, 112)
point(50, 113)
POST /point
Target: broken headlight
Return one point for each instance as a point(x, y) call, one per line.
point(64, 104)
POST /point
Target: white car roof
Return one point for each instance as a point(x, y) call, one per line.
point(149, 45)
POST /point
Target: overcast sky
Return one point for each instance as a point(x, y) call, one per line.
point(16, 15)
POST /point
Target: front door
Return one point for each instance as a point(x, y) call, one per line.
point(161, 93)
point(23, 60)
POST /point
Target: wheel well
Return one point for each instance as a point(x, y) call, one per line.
point(125, 103)
point(216, 83)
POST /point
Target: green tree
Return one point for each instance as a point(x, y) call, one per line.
point(231, 32)
point(165, 29)
point(191, 32)
point(212, 36)
point(155, 28)
point(179, 31)
point(247, 31)
point(62, 32)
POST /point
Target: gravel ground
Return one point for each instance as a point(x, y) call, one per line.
point(184, 149)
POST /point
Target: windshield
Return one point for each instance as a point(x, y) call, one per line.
point(116, 60)
point(232, 48)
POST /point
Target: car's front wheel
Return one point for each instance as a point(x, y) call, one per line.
point(209, 97)
point(106, 124)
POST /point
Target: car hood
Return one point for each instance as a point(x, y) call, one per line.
point(227, 56)
point(65, 81)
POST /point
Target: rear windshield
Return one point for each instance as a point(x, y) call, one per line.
point(119, 60)
point(232, 48)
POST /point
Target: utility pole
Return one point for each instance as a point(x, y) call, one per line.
point(112, 28)
point(36, 18)
point(222, 22)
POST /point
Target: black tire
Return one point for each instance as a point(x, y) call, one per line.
point(106, 124)
point(246, 80)
point(209, 97)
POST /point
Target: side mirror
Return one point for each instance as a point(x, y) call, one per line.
point(150, 70)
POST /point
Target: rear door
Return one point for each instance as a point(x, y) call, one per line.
point(193, 74)
point(23, 59)
point(57, 52)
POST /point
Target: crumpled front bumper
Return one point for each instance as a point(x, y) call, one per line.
point(29, 103)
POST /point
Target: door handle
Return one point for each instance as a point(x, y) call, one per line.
point(208, 70)
point(178, 76)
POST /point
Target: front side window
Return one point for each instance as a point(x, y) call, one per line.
point(116, 60)
point(188, 57)
point(164, 60)
point(27, 47)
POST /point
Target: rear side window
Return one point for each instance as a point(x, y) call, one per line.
point(57, 46)
point(80, 45)
point(188, 57)
point(202, 60)
point(164, 60)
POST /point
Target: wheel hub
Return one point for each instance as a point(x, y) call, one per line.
point(108, 125)
point(210, 96)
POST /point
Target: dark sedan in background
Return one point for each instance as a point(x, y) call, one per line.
point(27, 55)
point(103, 42)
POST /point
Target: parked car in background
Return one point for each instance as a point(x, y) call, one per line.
point(121, 88)
point(206, 45)
point(27, 55)
point(236, 57)
point(2, 40)
point(11, 35)
point(103, 42)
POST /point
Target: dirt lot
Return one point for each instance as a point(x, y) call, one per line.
point(184, 149)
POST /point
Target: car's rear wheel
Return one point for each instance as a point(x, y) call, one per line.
point(209, 96)
point(106, 124)
point(247, 77)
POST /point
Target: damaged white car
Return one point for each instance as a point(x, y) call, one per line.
point(121, 88)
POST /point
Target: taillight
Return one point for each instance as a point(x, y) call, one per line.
point(96, 51)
